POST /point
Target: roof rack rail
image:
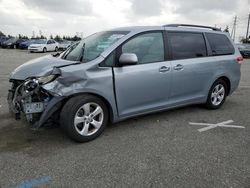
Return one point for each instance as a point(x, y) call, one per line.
point(189, 25)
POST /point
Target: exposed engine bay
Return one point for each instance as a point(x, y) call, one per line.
point(28, 97)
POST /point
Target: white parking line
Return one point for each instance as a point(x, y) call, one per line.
point(244, 87)
point(212, 126)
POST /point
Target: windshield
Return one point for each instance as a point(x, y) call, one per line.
point(40, 41)
point(92, 46)
point(11, 40)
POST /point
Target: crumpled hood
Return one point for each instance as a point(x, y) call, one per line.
point(38, 67)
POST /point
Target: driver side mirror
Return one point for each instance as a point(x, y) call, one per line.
point(128, 59)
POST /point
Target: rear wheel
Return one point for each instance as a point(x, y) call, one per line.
point(84, 117)
point(217, 94)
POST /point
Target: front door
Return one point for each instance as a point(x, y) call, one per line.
point(146, 86)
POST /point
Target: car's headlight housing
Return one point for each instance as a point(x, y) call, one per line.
point(46, 79)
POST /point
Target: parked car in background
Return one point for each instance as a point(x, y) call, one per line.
point(10, 43)
point(18, 42)
point(244, 50)
point(2, 39)
point(63, 45)
point(13, 42)
point(25, 44)
point(43, 45)
point(126, 72)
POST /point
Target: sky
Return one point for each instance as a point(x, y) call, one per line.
point(69, 17)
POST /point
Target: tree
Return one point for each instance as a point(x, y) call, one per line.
point(25, 37)
point(43, 37)
point(226, 29)
point(1, 33)
point(51, 36)
point(243, 40)
point(57, 38)
point(76, 38)
point(22, 36)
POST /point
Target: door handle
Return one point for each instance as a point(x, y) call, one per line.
point(178, 67)
point(164, 69)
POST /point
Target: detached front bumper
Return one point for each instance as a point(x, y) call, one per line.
point(37, 105)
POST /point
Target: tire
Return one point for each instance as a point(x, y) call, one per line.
point(87, 128)
point(44, 50)
point(217, 94)
point(14, 46)
point(56, 49)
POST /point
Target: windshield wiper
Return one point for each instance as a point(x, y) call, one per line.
point(57, 54)
point(66, 53)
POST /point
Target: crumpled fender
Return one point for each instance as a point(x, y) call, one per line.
point(85, 78)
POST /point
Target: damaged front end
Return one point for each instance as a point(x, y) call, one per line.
point(33, 101)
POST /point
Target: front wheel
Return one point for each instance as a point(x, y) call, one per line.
point(217, 94)
point(56, 49)
point(84, 117)
point(44, 50)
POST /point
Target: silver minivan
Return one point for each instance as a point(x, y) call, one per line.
point(126, 72)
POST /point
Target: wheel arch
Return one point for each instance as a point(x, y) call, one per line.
point(108, 104)
point(227, 80)
point(222, 77)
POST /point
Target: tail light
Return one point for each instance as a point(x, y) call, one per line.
point(240, 59)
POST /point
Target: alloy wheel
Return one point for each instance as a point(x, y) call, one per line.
point(218, 94)
point(88, 119)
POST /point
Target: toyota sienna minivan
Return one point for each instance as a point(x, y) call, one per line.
point(126, 72)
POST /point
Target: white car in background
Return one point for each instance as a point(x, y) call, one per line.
point(44, 45)
point(64, 44)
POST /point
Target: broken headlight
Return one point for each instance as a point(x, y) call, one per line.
point(46, 79)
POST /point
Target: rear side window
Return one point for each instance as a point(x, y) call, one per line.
point(220, 44)
point(187, 45)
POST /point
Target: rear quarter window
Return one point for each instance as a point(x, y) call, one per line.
point(220, 44)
